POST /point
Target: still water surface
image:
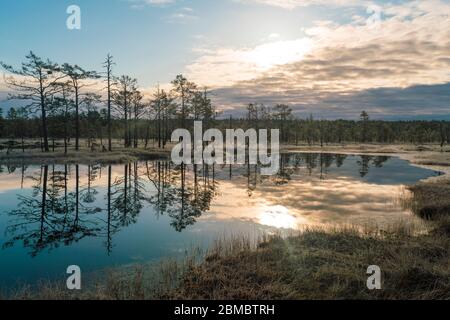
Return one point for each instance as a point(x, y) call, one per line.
point(102, 216)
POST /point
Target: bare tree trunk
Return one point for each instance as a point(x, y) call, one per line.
point(126, 127)
point(135, 127)
point(77, 121)
point(109, 105)
point(159, 128)
point(44, 125)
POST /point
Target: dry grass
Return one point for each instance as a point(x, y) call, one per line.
point(315, 264)
point(430, 200)
point(83, 157)
point(320, 264)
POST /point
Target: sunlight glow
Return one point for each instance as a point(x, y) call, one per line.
point(278, 217)
point(276, 53)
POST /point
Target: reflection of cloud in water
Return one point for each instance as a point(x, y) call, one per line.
point(302, 200)
point(278, 217)
point(310, 201)
point(153, 209)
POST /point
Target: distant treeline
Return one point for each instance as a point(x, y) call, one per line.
point(67, 103)
point(93, 127)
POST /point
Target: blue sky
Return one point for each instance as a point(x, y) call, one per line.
point(151, 42)
point(321, 57)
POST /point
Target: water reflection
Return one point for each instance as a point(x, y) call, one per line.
point(51, 215)
point(60, 212)
point(181, 198)
point(65, 204)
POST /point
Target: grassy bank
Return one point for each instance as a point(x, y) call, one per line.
point(83, 157)
point(430, 155)
point(88, 153)
point(327, 265)
point(315, 264)
point(430, 200)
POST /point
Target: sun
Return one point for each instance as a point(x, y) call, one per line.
point(271, 54)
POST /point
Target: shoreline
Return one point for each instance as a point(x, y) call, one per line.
point(84, 157)
point(429, 155)
point(312, 264)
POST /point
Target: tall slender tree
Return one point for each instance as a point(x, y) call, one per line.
point(364, 117)
point(163, 107)
point(123, 101)
point(283, 113)
point(138, 109)
point(160, 108)
point(90, 103)
point(62, 106)
point(2, 123)
point(77, 75)
point(184, 89)
point(108, 64)
point(35, 81)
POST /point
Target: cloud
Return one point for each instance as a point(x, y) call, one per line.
point(139, 4)
point(182, 15)
point(291, 4)
point(4, 103)
point(424, 101)
point(222, 66)
point(338, 68)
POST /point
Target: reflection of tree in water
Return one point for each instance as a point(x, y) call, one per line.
point(12, 168)
point(51, 215)
point(340, 158)
point(314, 163)
point(182, 194)
point(89, 193)
point(207, 189)
point(286, 170)
point(291, 164)
point(321, 162)
point(160, 175)
point(124, 201)
point(185, 211)
point(380, 161)
point(252, 178)
point(364, 163)
point(128, 193)
point(58, 213)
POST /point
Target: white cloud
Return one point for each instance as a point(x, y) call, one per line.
point(3, 89)
point(291, 4)
point(223, 66)
point(182, 15)
point(410, 46)
point(139, 4)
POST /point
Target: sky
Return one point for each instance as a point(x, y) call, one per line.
point(329, 58)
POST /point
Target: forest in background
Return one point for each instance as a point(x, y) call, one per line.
point(64, 105)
